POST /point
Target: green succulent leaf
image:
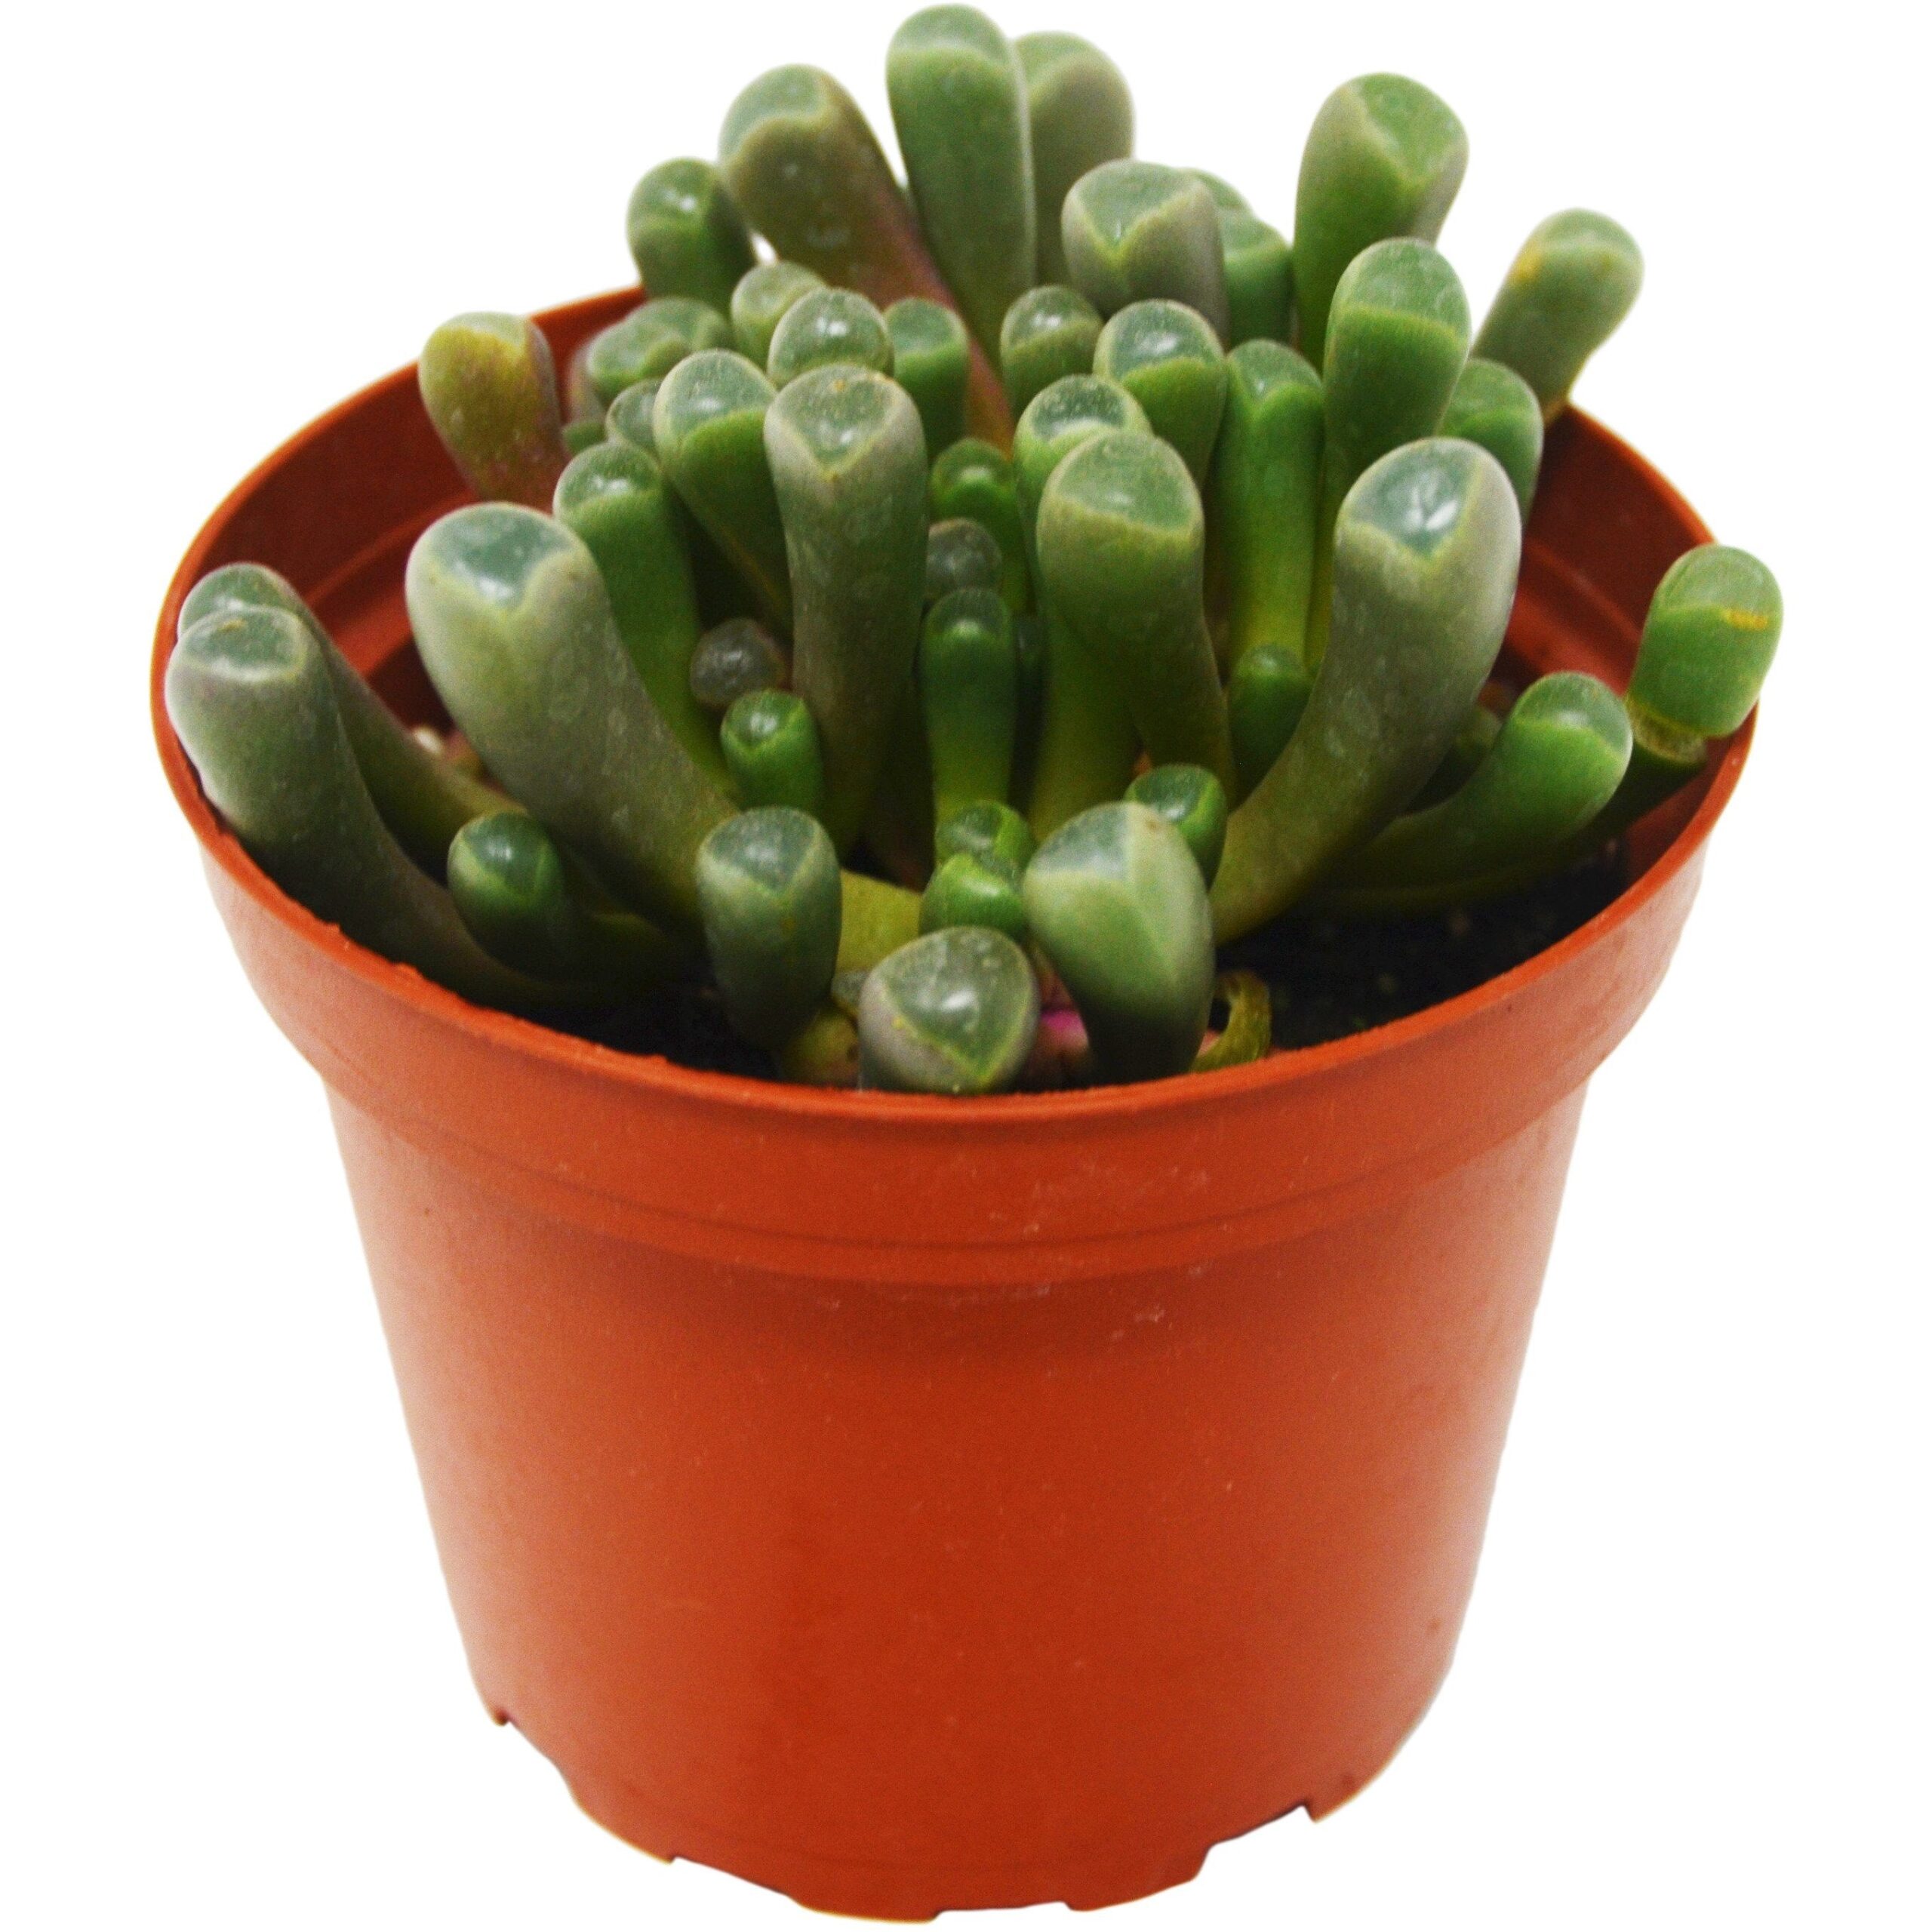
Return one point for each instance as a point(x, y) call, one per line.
point(825, 326)
point(1080, 114)
point(615, 498)
point(1195, 802)
point(970, 891)
point(649, 343)
point(1114, 899)
point(954, 1012)
point(423, 799)
point(848, 459)
point(768, 884)
point(735, 658)
point(1267, 693)
point(513, 888)
point(959, 106)
point(1264, 497)
point(1426, 547)
point(686, 233)
point(249, 693)
point(1574, 280)
point(988, 830)
point(709, 425)
point(1494, 408)
point(514, 628)
point(973, 479)
point(969, 693)
point(1088, 742)
point(1260, 271)
point(760, 300)
point(1167, 357)
point(1121, 542)
point(490, 386)
point(1048, 332)
point(932, 361)
point(1133, 230)
point(1384, 158)
point(771, 745)
point(961, 555)
point(1556, 762)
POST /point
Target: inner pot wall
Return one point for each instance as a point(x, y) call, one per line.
point(915, 1504)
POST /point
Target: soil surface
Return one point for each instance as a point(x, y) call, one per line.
point(1330, 978)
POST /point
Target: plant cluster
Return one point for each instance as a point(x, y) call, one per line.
point(940, 634)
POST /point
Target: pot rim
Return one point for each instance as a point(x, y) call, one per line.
point(654, 1073)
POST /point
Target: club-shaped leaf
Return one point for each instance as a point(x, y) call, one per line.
point(1264, 497)
point(848, 459)
point(1115, 899)
point(969, 693)
point(954, 1012)
point(1493, 407)
point(1571, 284)
point(969, 891)
point(629, 419)
point(988, 830)
point(1134, 230)
point(1557, 760)
point(423, 799)
point(734, 659)
point(961, 555)
point(1088, 742)
point(585, 434)
point(973, 479)
point(876, 919)
point(1707, 642)
point(616, 499)
point(514, 628)
point(686, 233)
point(959, 106)
point(1260, 272)
point(807, 169)
point(932, 359)
point(490, 386)
point(760, 300)
point(1167, 357)
point(1398, 335)
point(828, 326)
point(249, 693)
point(1384, 157)
point(1425, 553)
point(768, 883)
point(1195, 802)
point(1267, 693)
point(709, 425)
point(1081, 115)
point(513, 891)
point(649, 343)
point(1048, 332)
point(771, 745)
point(1121, 541)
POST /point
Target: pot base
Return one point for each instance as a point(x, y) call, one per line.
point(917, 1894)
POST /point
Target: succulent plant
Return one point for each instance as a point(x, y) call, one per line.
point(941, 762)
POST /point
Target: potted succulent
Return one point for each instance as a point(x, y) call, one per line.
point(955, 902)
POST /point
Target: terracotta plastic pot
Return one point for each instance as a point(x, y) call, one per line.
point(912, 1504)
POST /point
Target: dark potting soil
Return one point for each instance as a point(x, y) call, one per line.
point(1330, 978)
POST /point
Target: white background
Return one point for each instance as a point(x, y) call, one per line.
point(1692, 1688)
